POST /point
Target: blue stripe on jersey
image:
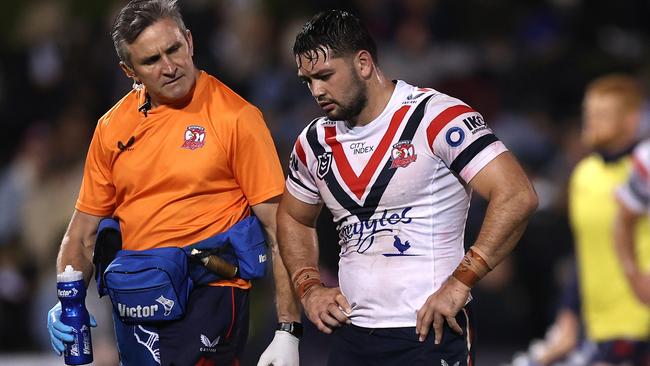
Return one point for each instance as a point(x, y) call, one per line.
point(298, 182)
point(364, 212)
point(470, 152)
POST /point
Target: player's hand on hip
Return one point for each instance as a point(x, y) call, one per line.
point(283, 351)
point(326, 307)
point(59, 332)
point(441, 306)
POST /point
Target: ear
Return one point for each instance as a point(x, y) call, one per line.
point(190, 42)
point(128, 70)
point(365, 64)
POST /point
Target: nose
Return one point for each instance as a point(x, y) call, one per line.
point(168, 66)
point(317, 89)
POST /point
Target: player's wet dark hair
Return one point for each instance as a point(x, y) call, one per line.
point(136, 16)
point(337, 31)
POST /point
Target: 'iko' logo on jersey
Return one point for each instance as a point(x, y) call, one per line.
point(475, 124)
point(194, 137)
point(403, 154)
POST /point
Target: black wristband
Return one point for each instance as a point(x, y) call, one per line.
point(293, 328)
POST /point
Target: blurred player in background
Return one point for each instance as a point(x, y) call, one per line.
point(614, 320)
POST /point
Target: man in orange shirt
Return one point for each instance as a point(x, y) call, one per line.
point(179, 160)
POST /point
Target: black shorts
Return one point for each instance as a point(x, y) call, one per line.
point(213, 331)
point(357, 346)
point(618, 351)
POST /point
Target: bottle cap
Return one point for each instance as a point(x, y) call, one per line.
point(69, 275)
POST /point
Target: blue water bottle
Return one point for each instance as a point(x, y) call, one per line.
point(71, 291)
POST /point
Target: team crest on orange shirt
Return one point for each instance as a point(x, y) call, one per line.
point(194, 137)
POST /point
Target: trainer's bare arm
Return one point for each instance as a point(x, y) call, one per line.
point(299, 248)
point(287, 306)
point(78, 244)
point(512, 200)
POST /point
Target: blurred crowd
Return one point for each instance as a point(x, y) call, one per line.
point(522, 64)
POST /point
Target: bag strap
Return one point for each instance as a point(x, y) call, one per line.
point(107, 243)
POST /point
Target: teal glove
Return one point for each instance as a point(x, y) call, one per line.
point(60, 332)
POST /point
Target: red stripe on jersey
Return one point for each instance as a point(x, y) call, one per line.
point(442, 119)
point(638, 166)
point(232, 321)
point(300, 152)
point(358, 184)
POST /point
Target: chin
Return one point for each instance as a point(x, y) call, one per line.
point(334, 115)
point(178, 94)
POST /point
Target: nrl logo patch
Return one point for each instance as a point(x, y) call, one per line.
point(403, 154)
point(324, 163)
point(194, 137)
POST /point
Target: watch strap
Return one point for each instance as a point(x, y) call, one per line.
point(293, 328)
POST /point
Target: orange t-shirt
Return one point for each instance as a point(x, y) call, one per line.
point(187, 174)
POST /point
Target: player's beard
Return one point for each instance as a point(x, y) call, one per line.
point(358, 100)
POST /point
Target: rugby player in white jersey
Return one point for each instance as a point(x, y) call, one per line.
point(396, 165)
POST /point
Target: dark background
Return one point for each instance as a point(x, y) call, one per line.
point(522, 64)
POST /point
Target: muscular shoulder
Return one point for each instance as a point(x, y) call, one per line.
point(440, 102)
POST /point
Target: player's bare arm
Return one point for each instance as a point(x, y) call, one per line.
point(512, 200)
point(287, 306)
point(78, 244)
point(625, 244)
point(298, 244)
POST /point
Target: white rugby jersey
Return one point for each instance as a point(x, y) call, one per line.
point(635, 193)
point(397, 190)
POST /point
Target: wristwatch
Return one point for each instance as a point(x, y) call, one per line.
point(293, 328)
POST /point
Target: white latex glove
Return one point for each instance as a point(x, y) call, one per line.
point(283, 351)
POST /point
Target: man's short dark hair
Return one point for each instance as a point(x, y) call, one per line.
point(339, 31)
point(136, 16)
